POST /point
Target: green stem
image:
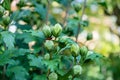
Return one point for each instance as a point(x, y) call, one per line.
point(79, 25)
point(47, 14)
point(4, 71)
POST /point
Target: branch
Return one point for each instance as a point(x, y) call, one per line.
point(47, 14)
point(115, 32)
point(79, 25)
point(4, 71)
point(66, 14)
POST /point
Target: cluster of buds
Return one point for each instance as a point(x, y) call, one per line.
point(55, 30)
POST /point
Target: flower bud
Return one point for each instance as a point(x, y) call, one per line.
point(53, 76)
point(63, 39)
point(76, 6)
point(75, 49)
point(47, 56)
point(56, 30)
point(83, 50)
point(77, 69)
point(89, 36)
point(49, 44)
point(47, 31)
point(6, 20)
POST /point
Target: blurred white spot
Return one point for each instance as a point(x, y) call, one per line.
point(57, 10)
point(82, 36)
point(31, 44)
point(115, 39)
point(85, 17)
point(96, 35)
point(80, 1)
point(118, 29)
point(1, 1)
point(12, 28)
point(94, 7)
point(107, 36)
point(112, 38)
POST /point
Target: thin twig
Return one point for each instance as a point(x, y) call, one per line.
point(47, 14)
point(79, 25)
point(66, 14)
point(4, 67)
point(115, 32)
point(4, 71)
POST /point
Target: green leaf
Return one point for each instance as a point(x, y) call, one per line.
point(38, 34)
point(52, 64)
point(40, 77)
point(4, 58)
point(84, 23)
point(76, 78)
point(26, 36)
point(72, 26)
point(41, 10)
point(6, 4)
point(63, 2)
point(20, 52)
point(35, 61)
point(17, 72)
point(8, 39)
point(94, 57)
point(65, 65)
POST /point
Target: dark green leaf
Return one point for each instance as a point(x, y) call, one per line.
point(17, 72)
point(41, 10)
point(40, 77)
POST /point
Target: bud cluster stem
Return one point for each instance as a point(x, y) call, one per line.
point(79, 25)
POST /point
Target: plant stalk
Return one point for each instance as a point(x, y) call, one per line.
point(79, 25)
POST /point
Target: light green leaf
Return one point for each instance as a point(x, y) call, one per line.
point(52, 64)
point(35, 61)
point(8, 39)
point(38, 34)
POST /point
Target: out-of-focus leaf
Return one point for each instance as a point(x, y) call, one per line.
point(6, 4)
point(41, 10)
point(17, 72)
point(24, 27)
point(24, 15)
point(4, 58)
point(94, 57)
point(38, 34)
point(35, 61)
point(8, 39)
point(8, 54)
point(40, 77)
point(84, 23)
point(26, 37)
point(64, 66)
point(20, 52)
point(63, 2)
point(52, 64)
